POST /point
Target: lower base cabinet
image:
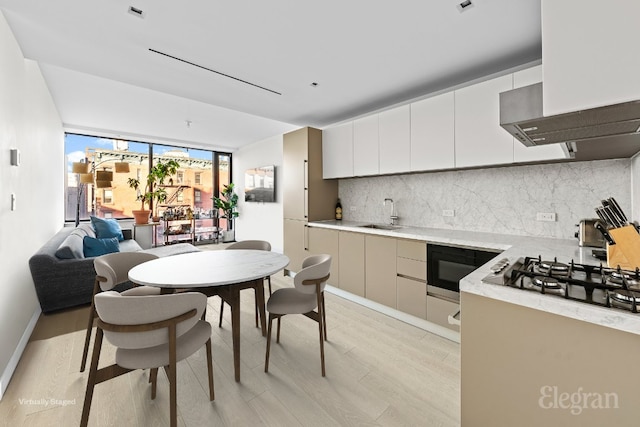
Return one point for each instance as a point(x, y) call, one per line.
point(438, 311)
point(295, 243)
point(325, 241)
point(352, 262)
point(380, 270)
point(412, 297)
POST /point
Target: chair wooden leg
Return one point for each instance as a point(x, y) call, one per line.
point(324, 317)
point(91, 382)
point(321, 329)
point(278, 334)
point(320, 322)
point(255, 297)
point(92, 315)
point(266, 359)
point(269, 282)
point(221, 312)
point(210, 369)
point(153, 379)
point(173, 403)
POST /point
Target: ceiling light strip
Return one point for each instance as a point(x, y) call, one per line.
point(213, 71)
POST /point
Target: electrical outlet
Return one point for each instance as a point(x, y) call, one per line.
point(546, 216)
point(352, 209)
point(448, 212)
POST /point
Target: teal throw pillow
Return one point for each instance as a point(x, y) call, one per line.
point(107, 228)
point(95, 247)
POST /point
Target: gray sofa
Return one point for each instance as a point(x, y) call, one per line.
point(64, 278)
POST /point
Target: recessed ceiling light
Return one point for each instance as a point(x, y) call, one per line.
point(136, 12)
point(466, 4)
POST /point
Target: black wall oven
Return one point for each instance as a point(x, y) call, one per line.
point(446, 265)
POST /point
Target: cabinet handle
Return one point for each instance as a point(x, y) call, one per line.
point(305, 199)
point(305, 237)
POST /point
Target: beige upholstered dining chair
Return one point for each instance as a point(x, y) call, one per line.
point(259, 245)
point(149, 331)
point(112, 270)
point(304, 298)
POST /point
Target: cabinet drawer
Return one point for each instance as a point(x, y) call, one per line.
point(412, 249)
point(412, 297)
point(412, 268)
point(438, 311)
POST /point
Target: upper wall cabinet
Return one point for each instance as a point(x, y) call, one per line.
point(479, 138)
point(522, 153)
point(366, 152)
point(337, 151)
point(589, 52)
point(395, 140)
point(432, 133)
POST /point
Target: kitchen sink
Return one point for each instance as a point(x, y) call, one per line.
point(381, 226)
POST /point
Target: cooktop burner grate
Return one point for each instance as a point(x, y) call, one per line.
point(592, 284)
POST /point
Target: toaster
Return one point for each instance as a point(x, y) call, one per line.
point(588, 235)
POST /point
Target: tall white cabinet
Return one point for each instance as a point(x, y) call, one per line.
point(432, 133)
point(337, 151)
point(366, 142)
point(593, 61)
point(395, 139)
point(479, 138)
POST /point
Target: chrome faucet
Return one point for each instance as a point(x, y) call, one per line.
point(393, 217)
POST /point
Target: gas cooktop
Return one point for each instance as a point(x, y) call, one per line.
point(592, 284)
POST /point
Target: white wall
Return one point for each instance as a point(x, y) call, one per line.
point(29, 122)
point(498, 200)
point(261, 221)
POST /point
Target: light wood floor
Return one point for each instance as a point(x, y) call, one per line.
point(380, 371)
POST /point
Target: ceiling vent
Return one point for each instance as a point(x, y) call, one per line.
point(466, 4)
point(136, 12)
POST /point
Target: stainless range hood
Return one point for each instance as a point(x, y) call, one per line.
point(614, 125)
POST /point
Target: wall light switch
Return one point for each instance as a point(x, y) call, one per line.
point(15, 157)
point(13, 201)
point(448, 212)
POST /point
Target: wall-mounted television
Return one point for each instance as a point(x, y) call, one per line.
point(260, 184)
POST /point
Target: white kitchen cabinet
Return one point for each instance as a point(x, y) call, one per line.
point(395, 140)
point(337, 151)
point(366, 153)
point(432, 133)
point(589, 52)
point(522, 153)
point(479, 139)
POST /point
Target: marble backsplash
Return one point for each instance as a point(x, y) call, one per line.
point(499, 200)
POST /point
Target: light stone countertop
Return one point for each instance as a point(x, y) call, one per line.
point(511, 247)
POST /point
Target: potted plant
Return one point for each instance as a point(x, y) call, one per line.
point(227, 202)
point(152, 189)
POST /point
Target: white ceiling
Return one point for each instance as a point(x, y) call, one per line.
point(364, 55)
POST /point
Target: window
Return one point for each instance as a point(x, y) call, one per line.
point(107, 196)
point(118, 199)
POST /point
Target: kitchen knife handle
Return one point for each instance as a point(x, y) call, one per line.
point(605, 233)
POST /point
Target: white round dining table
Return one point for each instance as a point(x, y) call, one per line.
point(219, 272)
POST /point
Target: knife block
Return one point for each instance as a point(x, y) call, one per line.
point(626, 252)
